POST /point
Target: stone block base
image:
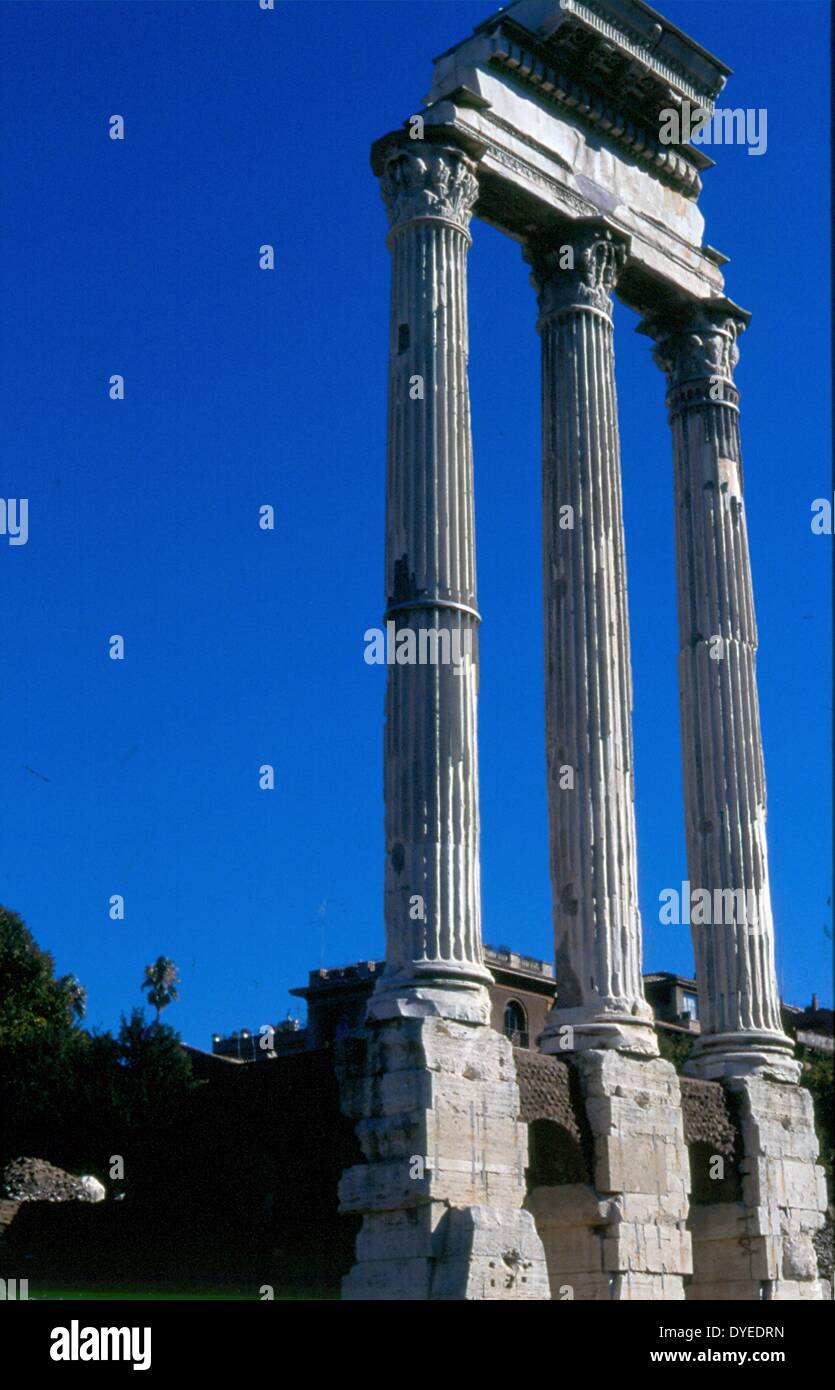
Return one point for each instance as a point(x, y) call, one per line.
point(762, 1248)
point(624, 1238)
point(436, 1106)
point(436, 1252)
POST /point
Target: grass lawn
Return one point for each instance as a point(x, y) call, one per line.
point(46, 1293)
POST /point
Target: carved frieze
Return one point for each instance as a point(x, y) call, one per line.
point(560, 194)
point(670, 164)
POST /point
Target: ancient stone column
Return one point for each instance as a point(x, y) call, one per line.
point(724, 783)
point(432, 889)
point(623, 1236)
point(431, 1087)
point(588, 682)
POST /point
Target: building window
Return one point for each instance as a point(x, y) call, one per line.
point(690, 1005)
point(516, 1023)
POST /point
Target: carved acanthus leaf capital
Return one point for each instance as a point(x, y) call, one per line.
point(577, 270)
point(695, 343)
point(425, 180)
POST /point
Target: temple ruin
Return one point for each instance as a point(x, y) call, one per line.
point(545, 123)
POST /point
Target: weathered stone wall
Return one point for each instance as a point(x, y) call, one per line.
point(436, 1107)
point(711, 1133)
point(622, 1234)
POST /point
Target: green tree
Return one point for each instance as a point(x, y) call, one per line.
point(818, 1078)
point(40, 1044)
point(155, 1072)
point(160, 983)
point(674, 1047)
point(154, 1088)
point(32, 1002)
point(73, 1097)
point(75, 995)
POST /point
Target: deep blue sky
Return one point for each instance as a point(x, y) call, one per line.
point(245, 387)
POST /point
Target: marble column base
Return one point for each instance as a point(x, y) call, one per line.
point(722, 1056)
point(463, 1000)
point(597, 1029)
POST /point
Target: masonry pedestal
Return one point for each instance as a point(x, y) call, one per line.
point(761, 1248)
point(436, 1105)
point(624, 1238)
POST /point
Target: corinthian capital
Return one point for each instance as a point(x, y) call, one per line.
point(695, 342)
point(578, 269)
point(428, 180)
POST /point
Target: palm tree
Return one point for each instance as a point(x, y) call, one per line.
point(75, 995)
point(160, 983)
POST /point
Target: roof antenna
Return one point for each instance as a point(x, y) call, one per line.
point(322, 910)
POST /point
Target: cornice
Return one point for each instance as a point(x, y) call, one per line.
point(527, 63)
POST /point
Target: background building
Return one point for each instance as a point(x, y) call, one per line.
point(522, 992)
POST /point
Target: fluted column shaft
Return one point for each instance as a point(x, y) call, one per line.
point(724, 781)
point(434, 958)
point(588, 695)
